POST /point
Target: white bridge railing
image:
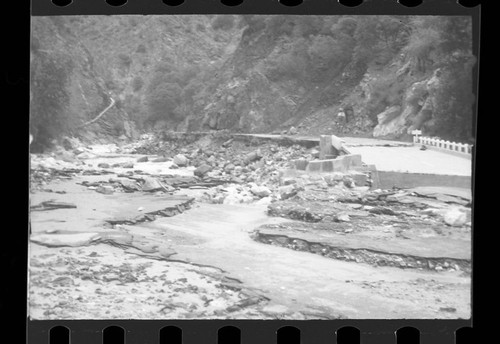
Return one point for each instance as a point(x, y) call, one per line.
point(463, 148)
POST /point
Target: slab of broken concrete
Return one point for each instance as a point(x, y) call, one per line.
point(425, 247)
point(94, 209)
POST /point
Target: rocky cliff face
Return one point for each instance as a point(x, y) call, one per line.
point(100, 58)
point(64, 71)
point(404, 81)
point(408, 102)
point(252, 74)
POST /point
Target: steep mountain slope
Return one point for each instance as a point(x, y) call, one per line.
point(390, 74)
point(80, 63)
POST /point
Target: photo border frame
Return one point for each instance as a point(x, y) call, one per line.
point(264, 331)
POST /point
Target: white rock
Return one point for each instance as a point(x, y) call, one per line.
point(180, 160)
point(265, 201)
point(343, 218)
point(260, 191)
point(455, 217)
point(86, 155)
point(233, 199)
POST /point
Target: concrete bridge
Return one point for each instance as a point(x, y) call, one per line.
point(397, 163)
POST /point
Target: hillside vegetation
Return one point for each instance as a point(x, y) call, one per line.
point(251, 73)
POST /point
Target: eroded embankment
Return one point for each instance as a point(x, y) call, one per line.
point(421, 228)
point(372, 257)
point(183, 203)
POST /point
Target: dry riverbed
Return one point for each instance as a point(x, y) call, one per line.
point(212, 229)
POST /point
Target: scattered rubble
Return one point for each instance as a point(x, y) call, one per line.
point(335, 214)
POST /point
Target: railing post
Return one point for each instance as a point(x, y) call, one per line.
point(443, 144)
point(416, 135)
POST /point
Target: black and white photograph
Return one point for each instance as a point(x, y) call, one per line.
point(294, 167)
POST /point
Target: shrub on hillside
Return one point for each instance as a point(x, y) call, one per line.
point(286, 66)
point(200, 27)
point(141, 48)
point(137, 83)
point(223, 22)
point(279, 25)
point(111, 85)
point(133, 21)
point(124, 59)
point(325, 51)
point(454, 102)
point(49, 77)
point(163, 100)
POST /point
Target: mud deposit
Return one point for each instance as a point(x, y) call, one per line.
point(215, 228)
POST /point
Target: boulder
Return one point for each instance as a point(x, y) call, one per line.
point(289, 181)
point(71, 143)
point(103, 165)
point(288, 191)
point(151, 184)
point(253, 156)
point(343, 217)
point(315, 153)
point(143, 159)
point(265, 201)
point(66, 156)
point(360, 179)
point(292, 131)
point(455, 217)
point(106, 189)
point(86, 155)
point(389, 114)
point(129, 185)
point(260, 191)
point(128, 165)
point(160, 159)
point(67, 144)
point(229, 167)
point(180, 160)
point(202, 170)
point(334, 178)
point(348, 182)
point(79, 150)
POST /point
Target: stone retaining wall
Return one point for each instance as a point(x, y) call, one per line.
point(342, 164)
